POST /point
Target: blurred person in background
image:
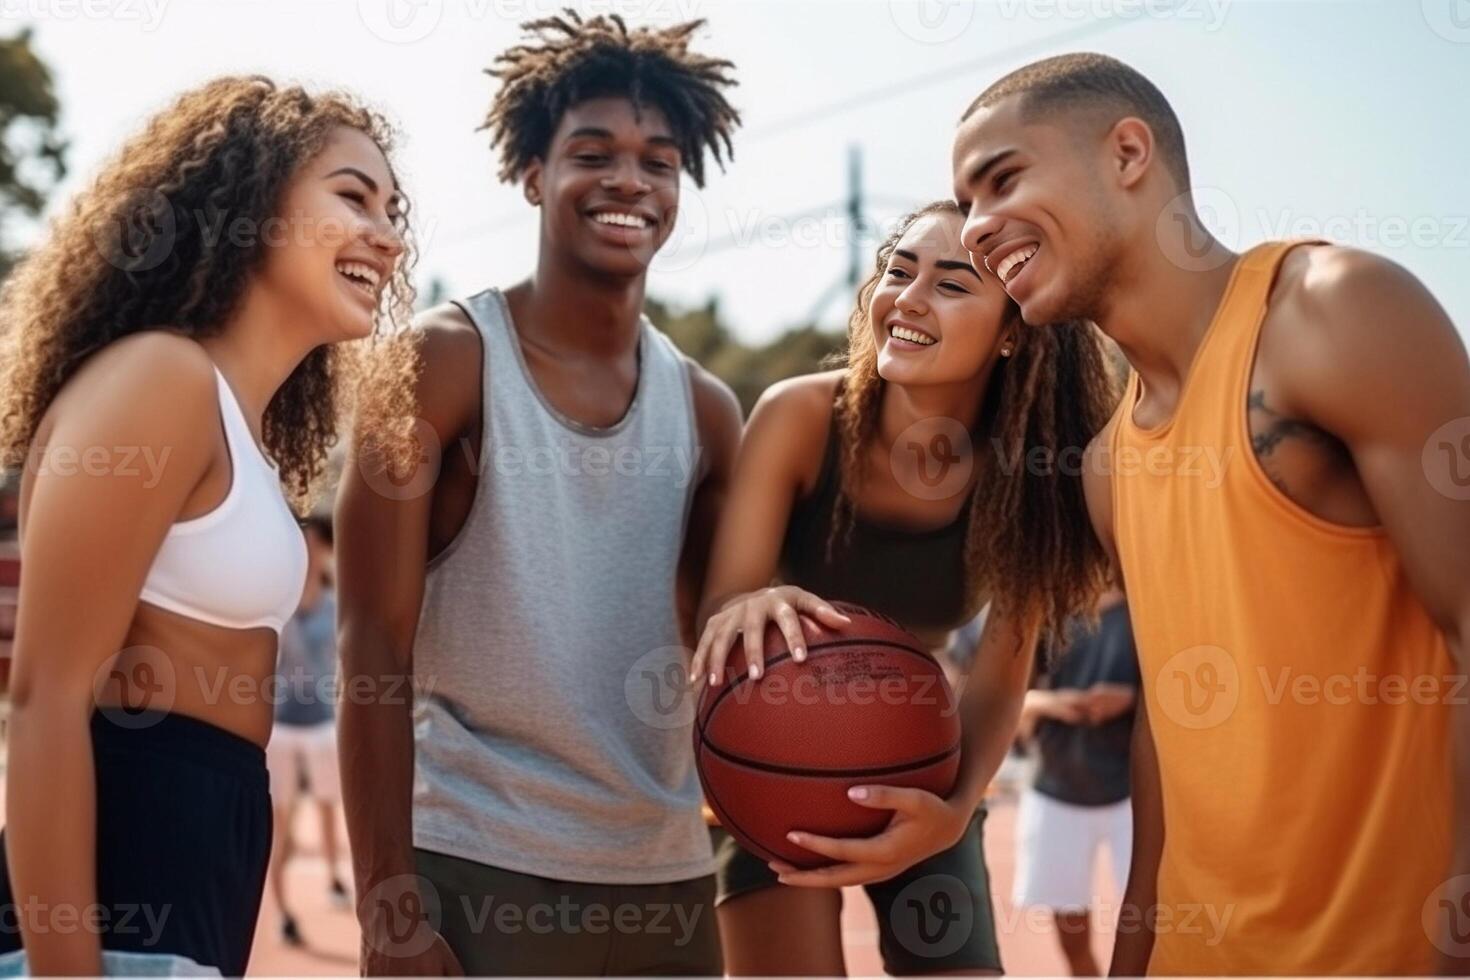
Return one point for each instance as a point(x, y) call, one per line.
point(302, 754)
point(1078, 721)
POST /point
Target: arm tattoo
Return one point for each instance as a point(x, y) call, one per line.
point(1277, 430)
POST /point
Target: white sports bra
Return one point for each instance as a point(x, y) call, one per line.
point(243, 564)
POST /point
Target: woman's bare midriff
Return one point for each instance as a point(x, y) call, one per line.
point(169, 662)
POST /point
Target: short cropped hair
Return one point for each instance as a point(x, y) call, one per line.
point(1094, 84)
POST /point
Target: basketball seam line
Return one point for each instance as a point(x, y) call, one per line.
point(774, 767)
point(702, 724)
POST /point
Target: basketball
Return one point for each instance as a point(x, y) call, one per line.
point(868, 706)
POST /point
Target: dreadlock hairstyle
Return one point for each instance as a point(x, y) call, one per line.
point(568, 60)
point(1030, 549)
point(139, 249)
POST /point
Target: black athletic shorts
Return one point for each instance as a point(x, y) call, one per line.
point(507, 923)
point(936, 916)
point(183, 839)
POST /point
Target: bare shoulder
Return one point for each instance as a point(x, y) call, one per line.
point(154, 380)
point(715, 405)
point(450, 357)
point(804, 401)
point(1345, 323)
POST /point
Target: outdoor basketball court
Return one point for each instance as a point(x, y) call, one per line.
point(1028, 946)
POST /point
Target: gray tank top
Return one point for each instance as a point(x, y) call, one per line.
point(551, 737)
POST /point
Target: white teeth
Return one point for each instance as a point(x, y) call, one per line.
point(912, 336)
point(1011, 264)
point(620, 219)
point(363, 276)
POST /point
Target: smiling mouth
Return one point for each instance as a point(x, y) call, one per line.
point(1010, 267)
point(622, 219)
point(901, 332)
point(363, 277)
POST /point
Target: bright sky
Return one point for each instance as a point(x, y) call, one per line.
point(1303, 117)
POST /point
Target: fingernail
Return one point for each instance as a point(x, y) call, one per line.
point(714, 678)
point(794, 837)
point(858, 793)
point(755, 672)
point(799, 653)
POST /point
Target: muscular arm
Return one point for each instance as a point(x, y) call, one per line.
point(717, 414)
point(382, 552)
point(783, 435)
point(1366, 354)
point(89, 539)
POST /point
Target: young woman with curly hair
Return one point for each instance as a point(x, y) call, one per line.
point(934, 473)
point(173, 365)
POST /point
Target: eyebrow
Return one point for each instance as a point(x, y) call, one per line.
point(372, 185)
point(597, 132)
point(978, 174)
point(939, 263)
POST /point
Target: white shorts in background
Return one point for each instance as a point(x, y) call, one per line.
point(295, 751)
point(1057, 846)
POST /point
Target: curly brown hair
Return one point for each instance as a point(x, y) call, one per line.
point(570, 60)
point(141, 249)
point(1030, 550)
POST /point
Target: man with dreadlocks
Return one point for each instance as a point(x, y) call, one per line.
point(540, 813)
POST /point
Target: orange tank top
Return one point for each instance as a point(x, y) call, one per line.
point(1297, 690)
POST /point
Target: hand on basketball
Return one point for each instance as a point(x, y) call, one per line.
point(747, 615)
point(923, 825)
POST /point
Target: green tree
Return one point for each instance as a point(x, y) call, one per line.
point(32, 153)
point(748, 370)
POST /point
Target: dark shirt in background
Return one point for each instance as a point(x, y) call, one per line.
point(1087, 765)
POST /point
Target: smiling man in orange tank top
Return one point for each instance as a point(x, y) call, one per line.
point(1286, 490)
